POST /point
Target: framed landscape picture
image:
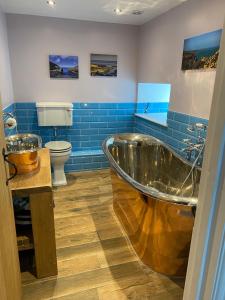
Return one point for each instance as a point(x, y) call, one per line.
point(62, 66)
point(104, 65)
point(201, 52)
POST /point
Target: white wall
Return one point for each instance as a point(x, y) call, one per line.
point(6, 89)
point(32, 39)
point(160, 54)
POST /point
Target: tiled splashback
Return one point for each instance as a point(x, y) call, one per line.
point(174, 133)
point(93, 122)
point(86, 160)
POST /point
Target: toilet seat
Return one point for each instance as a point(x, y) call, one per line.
point(58, 146)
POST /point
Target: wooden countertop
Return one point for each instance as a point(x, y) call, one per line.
point(35, 182)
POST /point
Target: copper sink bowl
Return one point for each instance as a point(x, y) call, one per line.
point(22, 150)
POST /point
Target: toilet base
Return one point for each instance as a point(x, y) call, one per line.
point(59, 183)
point(59, 156)
point(59, 177)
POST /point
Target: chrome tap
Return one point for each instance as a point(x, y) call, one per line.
point(146, 108)
point(7, 115)
point(189, 149)
point(9, 120)
point(196, 150)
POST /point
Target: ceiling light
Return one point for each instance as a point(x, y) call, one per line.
point(51, 3)
point(137, 12)
point(118, 11)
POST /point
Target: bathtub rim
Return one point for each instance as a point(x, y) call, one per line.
point(148, 191)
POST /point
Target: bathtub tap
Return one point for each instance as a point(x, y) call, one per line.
point(147, 108)
point(195, 151)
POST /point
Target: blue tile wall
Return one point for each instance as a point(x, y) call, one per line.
point(10, 109)
point(154, 107)
point(93, 122)
point(176, 131)
point(86, 160)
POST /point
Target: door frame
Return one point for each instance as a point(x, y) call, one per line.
point(10, 277)
point(205, 274)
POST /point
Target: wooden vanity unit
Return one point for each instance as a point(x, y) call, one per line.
point(38, 187)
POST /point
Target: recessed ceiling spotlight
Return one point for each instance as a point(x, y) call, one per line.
point(137, 12)
point(51, 3)
point(118, 11)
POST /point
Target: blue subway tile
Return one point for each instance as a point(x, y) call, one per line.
point(179, 135)
point(181, 118)
point(89, 106)
point(174, 124)
point(170, 115)
point(107, 105)
point(81, 112)
point(88, 119)
point(79, 138)
point(72, 131)
point(99, 158)
point(76, 105)
point(89, 144)
point(89, 131)
point(21, 113)
point(25, 105)
point(107, 119)
point(83, 125)
point(82, 159)
point(126, 106)
point(98, 125)
point(76, 118)
point(109, 130)
point(125, 118)
point(99, 112)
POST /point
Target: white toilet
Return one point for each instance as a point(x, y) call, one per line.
point(56, 114)
point(59, 153)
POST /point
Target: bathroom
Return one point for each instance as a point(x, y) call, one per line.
point(101, 94)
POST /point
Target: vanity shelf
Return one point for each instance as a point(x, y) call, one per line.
point(25, 240)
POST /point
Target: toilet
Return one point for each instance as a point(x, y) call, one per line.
point(56, 114)
point(59, 153)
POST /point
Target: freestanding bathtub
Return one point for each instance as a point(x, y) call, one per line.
point(154, 196)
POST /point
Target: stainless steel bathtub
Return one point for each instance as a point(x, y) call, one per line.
point(154, 192)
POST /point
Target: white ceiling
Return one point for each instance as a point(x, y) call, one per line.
point(93, 10)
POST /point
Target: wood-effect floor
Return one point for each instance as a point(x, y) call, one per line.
point(95, 259)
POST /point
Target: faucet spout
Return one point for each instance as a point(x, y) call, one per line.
point(193, 150)
point(9, 120)
point(146, 108)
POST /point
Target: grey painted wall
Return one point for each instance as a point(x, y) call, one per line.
point(6, 89)
point(152, 51)
point(160, 54)
point(32, 39)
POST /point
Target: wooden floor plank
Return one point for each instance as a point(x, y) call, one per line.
point(84, 295)
point(95, 259)
point(77, 239)
point(63, 286)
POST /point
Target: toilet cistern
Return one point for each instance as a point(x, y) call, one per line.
point(56, 114)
